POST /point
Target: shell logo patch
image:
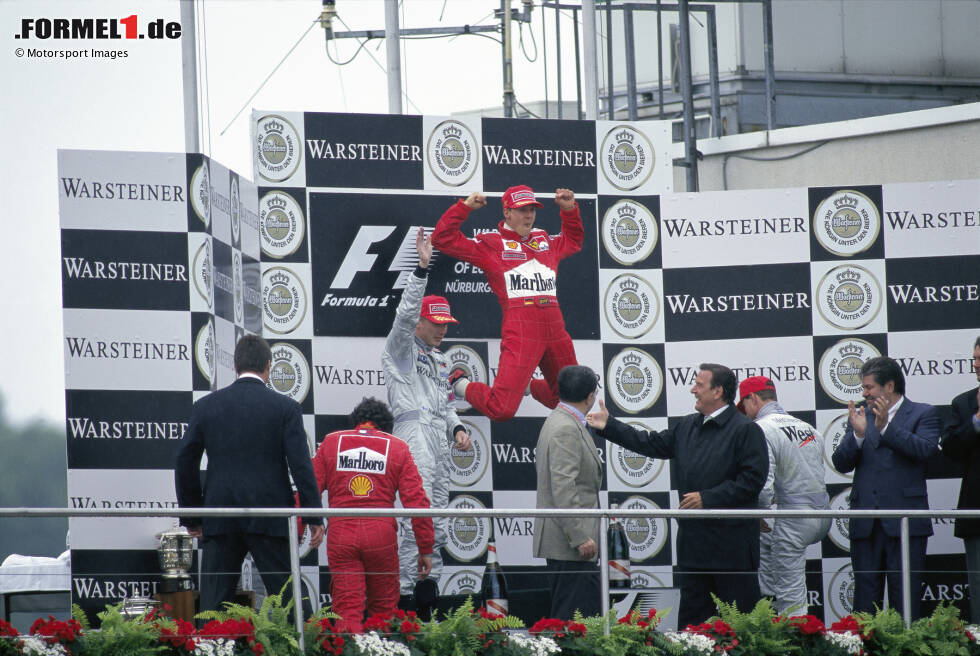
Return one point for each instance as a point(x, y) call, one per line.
point(360, 486)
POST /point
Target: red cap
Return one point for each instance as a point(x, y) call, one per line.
point(520, 196)
point(436, 309)
point(751, 385)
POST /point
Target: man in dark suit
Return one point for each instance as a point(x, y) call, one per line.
point(721, 461)
point(961, 438)
point(569, 476)
point(887, 444)
point(254, 439)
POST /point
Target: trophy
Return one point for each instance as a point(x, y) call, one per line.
point(176, 552)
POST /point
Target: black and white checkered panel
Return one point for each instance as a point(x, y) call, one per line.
point(160, 270)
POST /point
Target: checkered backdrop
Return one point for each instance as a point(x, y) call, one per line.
point(801, 285)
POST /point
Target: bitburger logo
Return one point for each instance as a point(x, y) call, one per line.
point(238, 286)
point(282, 224)
point(466, 468)
point(451, 152)
point(467, 536)
point(235, 209)
point(201, 193)
point(472, 365)
point(631, 468)
point(833, 433)
point(846, 223)
point(290, 372)
point(627, 157)
point(277, 148)
point(635, 380)
point(840, 368)
point(631, 305)
point(841, 591)
point(839, 533)
point(204, 272)
point(849, 297)
point(646, 535)
point(284, 300)
point(629, 232)
point(464, 581)
point(204, 352)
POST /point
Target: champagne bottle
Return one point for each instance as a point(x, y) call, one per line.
point(493, 590)
point(619, 553)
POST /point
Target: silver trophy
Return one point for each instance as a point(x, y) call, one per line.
point(175, 550)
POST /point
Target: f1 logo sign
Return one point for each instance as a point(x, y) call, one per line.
point(358, 258)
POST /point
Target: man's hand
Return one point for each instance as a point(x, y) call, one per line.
point(880, 407)
point(565, 198)
point(598, 419)
point(425, 566)
point(859, 422)
point(316, 535)
point(195, 532)
point(691, 501)
point(423, 246)
point(475, 201)
point(587, 549)
point(463, 442)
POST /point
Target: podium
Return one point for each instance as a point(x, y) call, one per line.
point(182, 603)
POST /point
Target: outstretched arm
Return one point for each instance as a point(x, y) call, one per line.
point(447, 236)
point(570, 240)
point(398, 356)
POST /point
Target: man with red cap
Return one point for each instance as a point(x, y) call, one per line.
point(417, 376)
point(363, 468)
point(521, 265)
point(795, 481)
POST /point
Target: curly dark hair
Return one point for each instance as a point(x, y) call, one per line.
point(375, 411)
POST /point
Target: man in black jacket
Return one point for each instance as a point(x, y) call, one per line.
point(961, 437)
point(721, 461)
point(254, 439)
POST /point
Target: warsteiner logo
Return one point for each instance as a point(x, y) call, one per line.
point(238, 286)
point(283, 300)
point(839, 533)
point(631, 305)
point(235, 209)
point(846, 223)
point(833, 433)
point(201, 193)
point(840, 368)
point(277, 151)
point(627, 157)
point(465, 581)
point(204, 272)
point(290, 372)
point(849, 297)
point(472, 365)
point(646, 536)
point(204, 352)
point(631, 468)
point(840, 592)
point(636, 380)
point(282, 224)
point(451, 153)
point(468, 536)
point(466, 468)
point(629, 232)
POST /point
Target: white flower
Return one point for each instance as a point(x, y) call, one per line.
point(701, 643)
point(850, 642)
point(36, 645)
point(535, 645)
point(371, 644)
point(219, 647)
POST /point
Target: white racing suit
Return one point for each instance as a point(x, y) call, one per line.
point(418, 392)
point(795, 481)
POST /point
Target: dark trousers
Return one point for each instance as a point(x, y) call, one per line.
point(741, 587)
point(878, 558)
point(222, 564)
point(574, 585)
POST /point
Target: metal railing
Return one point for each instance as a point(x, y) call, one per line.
point(289, 515)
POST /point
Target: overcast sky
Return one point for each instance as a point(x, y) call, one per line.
point(135, 102)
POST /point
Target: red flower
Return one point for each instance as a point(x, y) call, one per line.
point(846, 624)
point(376, 623)
point(576, 628)
point(808, 625)
point(8, 629)
point(409, 627)
point(55, 630)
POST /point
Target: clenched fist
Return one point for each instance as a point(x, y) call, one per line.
point(475, 201)
point(565, 198)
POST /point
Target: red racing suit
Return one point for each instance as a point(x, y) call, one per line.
point(364, 468)
point(522, 272)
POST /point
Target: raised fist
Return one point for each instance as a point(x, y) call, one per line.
point(475, 201)
point(565, 198)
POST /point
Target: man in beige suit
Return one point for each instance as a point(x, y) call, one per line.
point(569, 476)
